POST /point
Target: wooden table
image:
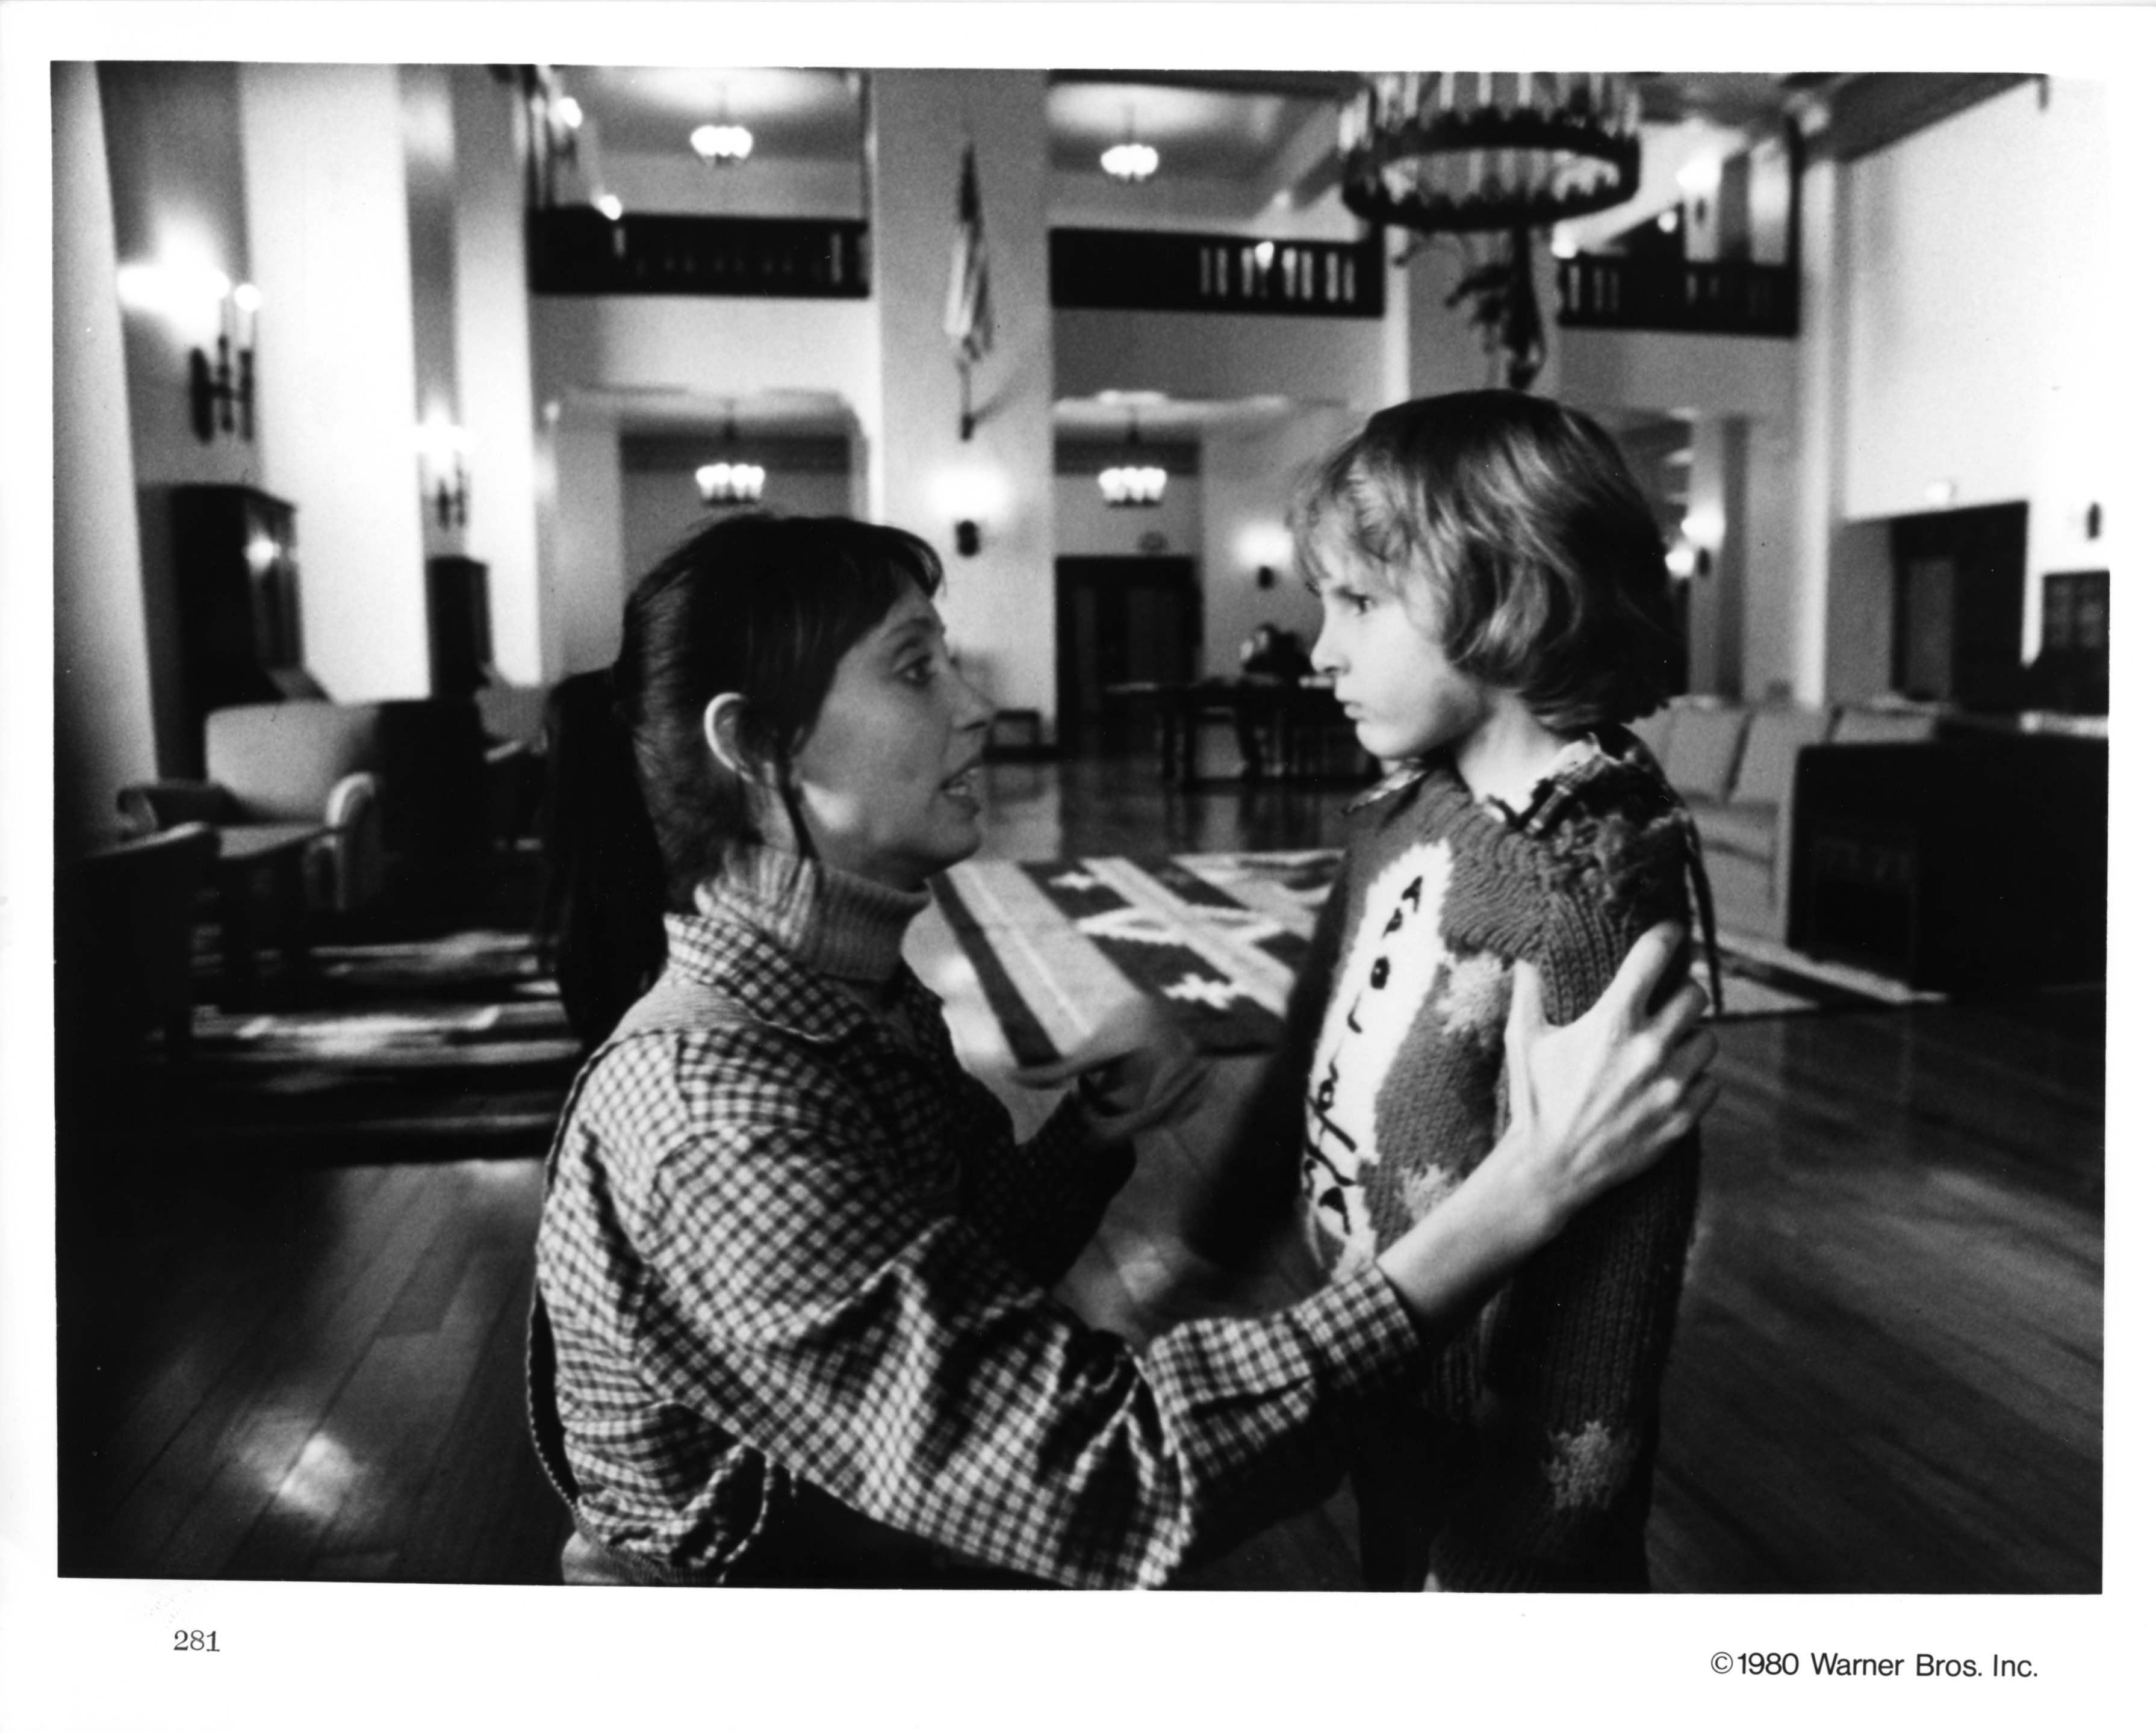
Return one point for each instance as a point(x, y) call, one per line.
point(261, 860)
point(1288, 717)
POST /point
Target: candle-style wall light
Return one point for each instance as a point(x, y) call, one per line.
point(220, 370)
point(445, 476)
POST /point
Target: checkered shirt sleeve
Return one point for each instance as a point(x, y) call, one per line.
point(762, 1247)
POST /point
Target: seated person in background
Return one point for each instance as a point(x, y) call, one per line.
point(1269, 657)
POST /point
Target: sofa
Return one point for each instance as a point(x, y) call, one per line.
point(1736, 766)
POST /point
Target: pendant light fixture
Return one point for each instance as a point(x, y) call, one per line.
point(1132, 483)
point(1130, 162)
point(722, 144)
point(729, 481)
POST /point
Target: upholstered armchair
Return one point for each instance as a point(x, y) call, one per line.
point(303, 762)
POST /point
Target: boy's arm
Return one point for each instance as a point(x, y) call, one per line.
point(1573, 1363)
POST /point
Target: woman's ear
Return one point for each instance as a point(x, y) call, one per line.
point(722, 736)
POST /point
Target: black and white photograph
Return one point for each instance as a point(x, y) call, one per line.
point(851, 801)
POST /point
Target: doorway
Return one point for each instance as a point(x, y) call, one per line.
point(1958, 595)
point(1119, 618)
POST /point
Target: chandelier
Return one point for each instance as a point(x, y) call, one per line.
point(729, 483)
point(1131, 483)
point(1130, 162)
point(1456, 152)
point(722, 146)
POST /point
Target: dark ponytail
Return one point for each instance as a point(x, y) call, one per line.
point(600, 934)
point(641, 811)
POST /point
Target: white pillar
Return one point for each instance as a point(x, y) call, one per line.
point(325, 219)
point(102, 737)
point(494, 365)
point(1822, 420)
point(1000, 604)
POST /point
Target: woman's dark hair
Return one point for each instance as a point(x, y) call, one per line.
point(639, 812)
point(1512, 526)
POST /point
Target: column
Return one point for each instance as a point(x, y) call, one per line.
point(102, 733)
point(1000, 604)
point(325, 218)
point(494, 365)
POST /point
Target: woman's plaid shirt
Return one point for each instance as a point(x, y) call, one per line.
point(795, 1245)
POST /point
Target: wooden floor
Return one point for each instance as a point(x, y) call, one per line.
point(1887, 1377)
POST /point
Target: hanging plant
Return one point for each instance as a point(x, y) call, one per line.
point(1500, 293)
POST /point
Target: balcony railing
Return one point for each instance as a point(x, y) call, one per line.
point(1609, 292)
point(1147, 270)
point(573, 250)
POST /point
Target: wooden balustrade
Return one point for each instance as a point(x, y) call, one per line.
point(1155, 271)
point(573, 250)
point(1611, 292)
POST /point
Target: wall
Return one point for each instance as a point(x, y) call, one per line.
point(764, 185)
point(1249, 477)
point(103, 734)
point(1984, 236)
point(1665, 370)
point(1000, 604)
point(1085, 524)
point(588, 577)
point(326, 207)
point(660, 507)
point(714, 346)
point(1082, 199)
point(1223, 355)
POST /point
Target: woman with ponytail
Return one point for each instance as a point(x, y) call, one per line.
point(793, 1324)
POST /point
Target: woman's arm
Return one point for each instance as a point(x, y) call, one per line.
point(801, 1297)
point(1592, 1104)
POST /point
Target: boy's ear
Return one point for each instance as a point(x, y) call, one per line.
point(723, 736)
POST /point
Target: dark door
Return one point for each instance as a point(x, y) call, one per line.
point(1119, 618)
point(1957, 588)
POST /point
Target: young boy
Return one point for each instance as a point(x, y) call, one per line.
point(1494, 606)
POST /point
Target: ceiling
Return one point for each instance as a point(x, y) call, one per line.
point(1221, 125)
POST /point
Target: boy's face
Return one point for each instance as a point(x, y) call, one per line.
point(1403, 696)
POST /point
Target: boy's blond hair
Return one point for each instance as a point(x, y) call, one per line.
point(1514, 533)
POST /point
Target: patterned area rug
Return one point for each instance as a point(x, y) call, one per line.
point(1219, 937)
point(423, 1049)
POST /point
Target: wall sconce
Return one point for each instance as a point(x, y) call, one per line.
point(444, 478)
point(221, 393)
point(968, 496)
point(1265, 547)
point(193, 298)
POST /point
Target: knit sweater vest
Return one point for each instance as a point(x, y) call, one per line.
point(1541, 1415)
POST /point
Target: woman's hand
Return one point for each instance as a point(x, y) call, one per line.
point(1136, 1071)
point(1592, 1103)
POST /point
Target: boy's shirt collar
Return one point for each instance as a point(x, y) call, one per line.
point(1577, 763)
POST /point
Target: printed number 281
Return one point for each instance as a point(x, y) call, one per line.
point(204, 1641)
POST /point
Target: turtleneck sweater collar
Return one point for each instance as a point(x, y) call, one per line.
point(835, 923)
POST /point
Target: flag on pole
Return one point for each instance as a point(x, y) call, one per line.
point(967, 320)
